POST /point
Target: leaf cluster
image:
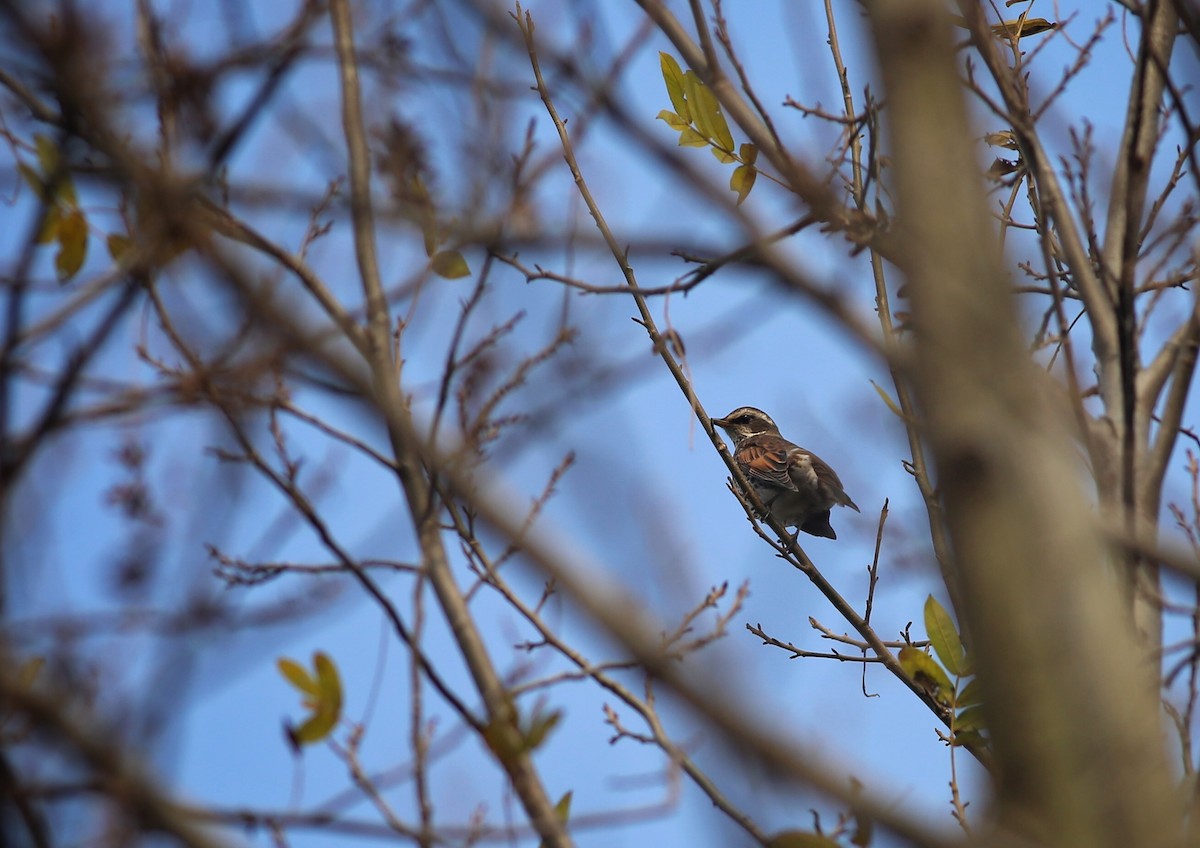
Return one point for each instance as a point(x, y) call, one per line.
point(950, 682)
point(322, 691)
point(699, 121)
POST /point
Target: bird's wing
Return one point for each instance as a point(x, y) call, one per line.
point(828, 480)
point(765, 458)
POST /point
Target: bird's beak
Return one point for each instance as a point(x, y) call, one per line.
point(719, 422)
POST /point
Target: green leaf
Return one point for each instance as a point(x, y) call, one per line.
point(296, 674)
point(891, 404)
point(72, 244)
point(970, 737)
point(563, 810)
point(450, 264)
point(970, 720)
point(539, 728)
point(926, 673)
point(673, 77)
point(742, 181)
point(944, 636)
point(969, 695)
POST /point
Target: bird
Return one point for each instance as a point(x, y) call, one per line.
point(796, 486)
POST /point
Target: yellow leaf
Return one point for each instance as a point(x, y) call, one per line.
point(748, 153)
point(673, 121)
point(724, 136)
point(690, 138)
point(430, 234)
point(417, 191)
point(970, 719)
point(944, 637)
point(926, 673)
point(742, 181)
point(47, 153)
point(49, 230)
point(1021, 27)
point(706, 112)
point(35, 181)
point(72, 244)
point(673, 77)
point(970, 737)
point(118, 246)
point(691, 88)
point(891, 404)
point(450, 264)
point(563, 810)
point(1002, 168)
point(64, 190)
point(48, 160)
point(316, 727)
point(563, 807)
point(324, 691)
point(539, 728)
point(503, 738)
point(296, 674)
point(722, 156)
point(970, 695)
point(328, 681)
point(720, 129)
point(1003, 138)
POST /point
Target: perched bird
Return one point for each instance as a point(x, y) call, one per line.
point(794, 484)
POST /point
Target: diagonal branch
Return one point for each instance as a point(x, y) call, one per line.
point(661, 346)
point(1183, 346)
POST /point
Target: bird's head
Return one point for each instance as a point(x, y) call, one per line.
point(744, 422)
